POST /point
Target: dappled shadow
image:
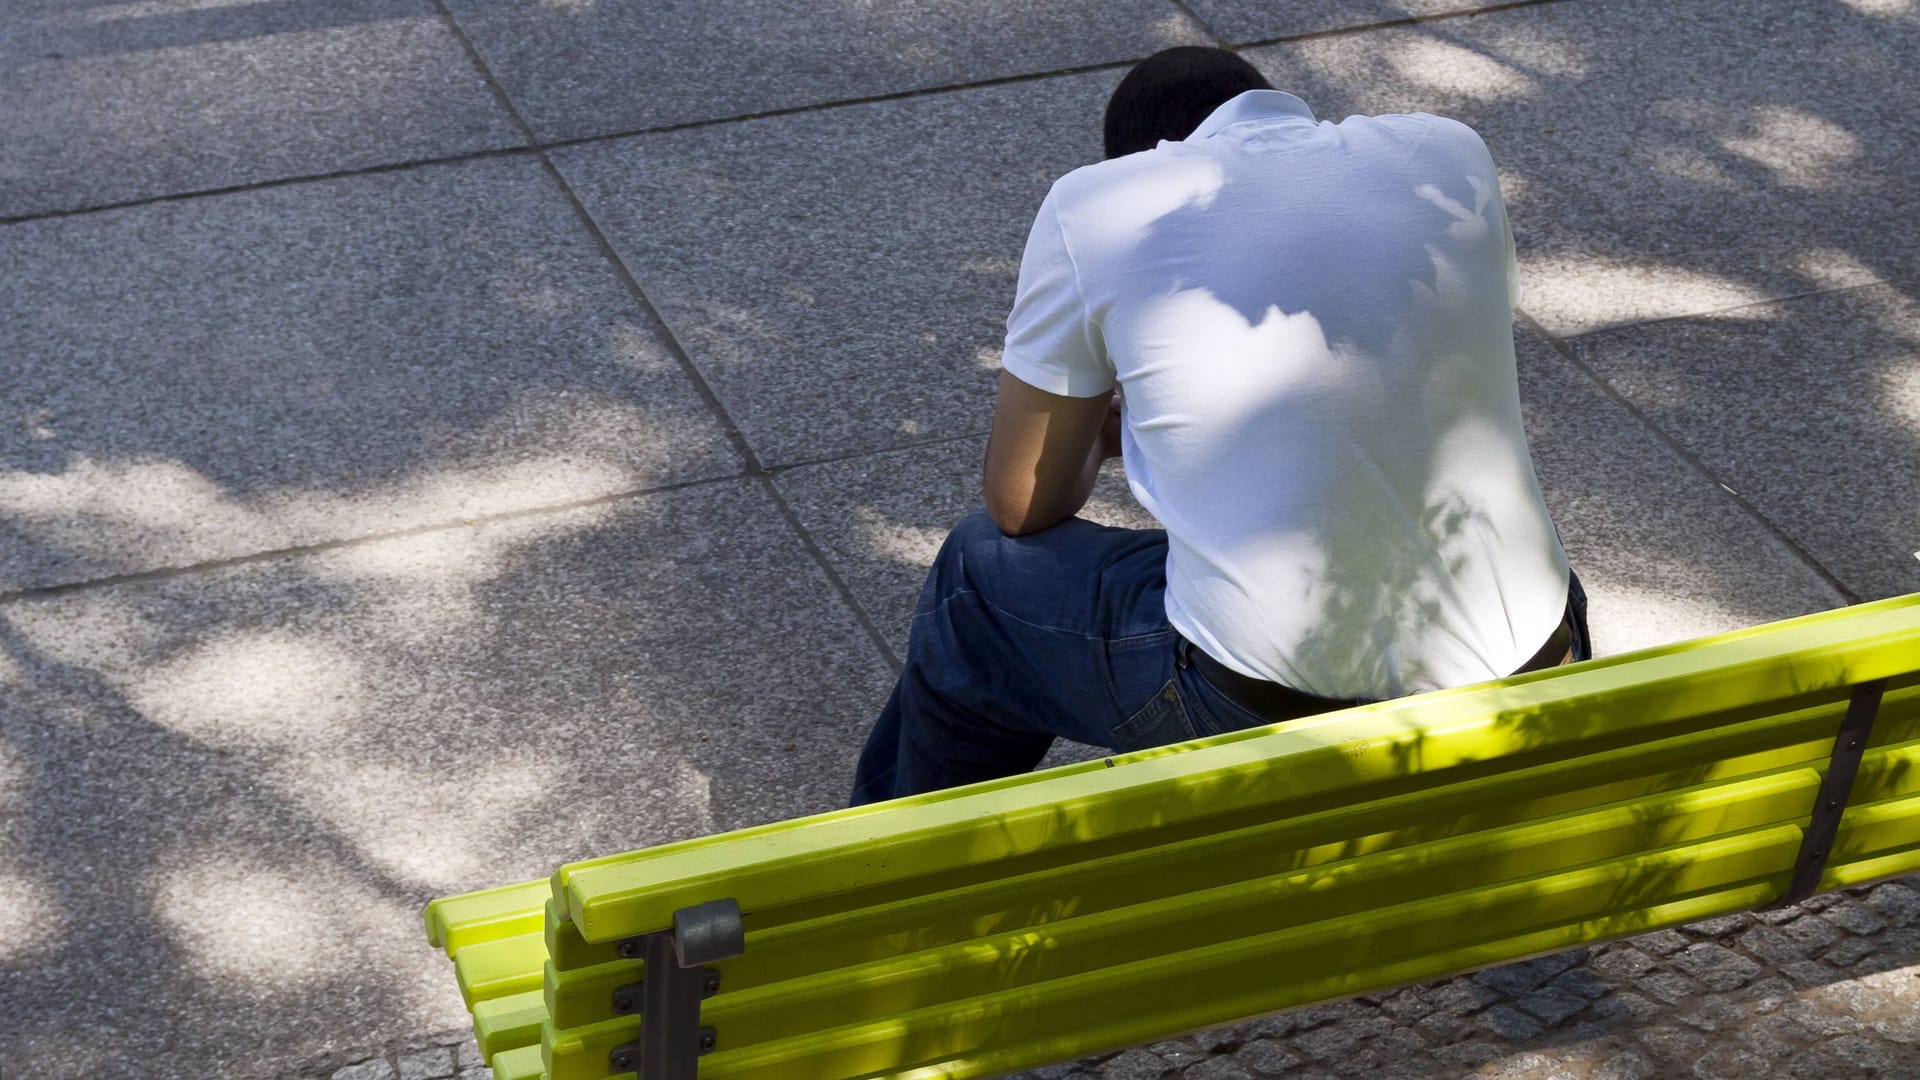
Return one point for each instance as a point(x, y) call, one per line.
point(350, 732)
point(217, 905)
point(250, 780)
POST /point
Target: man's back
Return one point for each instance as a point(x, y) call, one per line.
point(1311, 322)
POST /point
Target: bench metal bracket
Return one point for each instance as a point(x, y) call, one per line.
point(1816, 846)
point(675, 981)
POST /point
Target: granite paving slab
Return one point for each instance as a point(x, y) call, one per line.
point(1662, 554)
point(1664, 159)
point(108, 103)
point(842, 277)
point(230, 793)
point(584, 68)
point(1246, 21)
point(292, 365)
point(1809, 408)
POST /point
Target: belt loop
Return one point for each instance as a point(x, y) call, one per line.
point(1180, 651)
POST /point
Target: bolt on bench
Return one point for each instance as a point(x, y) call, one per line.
point(986, 929)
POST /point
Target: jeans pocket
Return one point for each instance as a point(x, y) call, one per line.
point(1162, 720)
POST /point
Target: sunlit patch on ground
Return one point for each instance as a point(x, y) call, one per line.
point(1454, 69)
point(255, 690)
point(430, 828)
point(165, 511)
point(912, 545)
point(31, 920)
point(266, 924)
point(1804, 151)
point(1884, 9)
point(1590, 292)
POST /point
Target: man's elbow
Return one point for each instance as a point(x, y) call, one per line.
point(1014, 515)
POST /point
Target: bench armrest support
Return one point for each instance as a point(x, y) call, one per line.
point(1830, 805)
point(676, 980)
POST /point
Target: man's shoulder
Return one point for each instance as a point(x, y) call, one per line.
point(1091, 179)
point(1443, 134)
point(1099, 194)
point(1422, 125)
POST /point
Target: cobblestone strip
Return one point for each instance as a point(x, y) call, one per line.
point(1827, 990)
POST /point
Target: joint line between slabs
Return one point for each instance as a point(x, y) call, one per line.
point(267, 185)
point(843, 103)
point(534, 145)
point(1389, 24)
point(1847, 595)
point(1219, 40)
point(658, 323)
point(860, 614)
point(1715, 312)
point(162, 573)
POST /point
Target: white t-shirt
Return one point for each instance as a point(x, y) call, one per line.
point(1312, 323)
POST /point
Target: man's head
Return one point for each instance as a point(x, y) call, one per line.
point(1166, 95)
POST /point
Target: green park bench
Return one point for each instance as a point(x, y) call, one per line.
point(1039, 918)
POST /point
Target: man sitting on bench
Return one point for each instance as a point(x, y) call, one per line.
point(1298, 337)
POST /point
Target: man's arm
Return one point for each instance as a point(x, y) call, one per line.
point(1044, 453)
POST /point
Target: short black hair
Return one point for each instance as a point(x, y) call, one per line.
point(1166, 95)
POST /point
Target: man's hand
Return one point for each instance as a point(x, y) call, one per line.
point(1044, 453)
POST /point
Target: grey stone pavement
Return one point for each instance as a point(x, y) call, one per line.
point(440, 439)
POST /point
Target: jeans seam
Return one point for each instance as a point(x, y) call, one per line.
point(1180, 706)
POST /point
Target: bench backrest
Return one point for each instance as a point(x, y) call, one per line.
point(982, 930)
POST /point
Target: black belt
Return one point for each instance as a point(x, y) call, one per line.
point(1278, 702)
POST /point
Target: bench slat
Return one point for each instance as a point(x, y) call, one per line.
point(1511, 796)
point(1882, 828)
point(495, 969)
point(508, 1023)
point(455, 922)
point(564, 943)
point(520, 1063)
point(1895, 863)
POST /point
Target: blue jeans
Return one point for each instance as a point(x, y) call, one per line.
point(1017, 641)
